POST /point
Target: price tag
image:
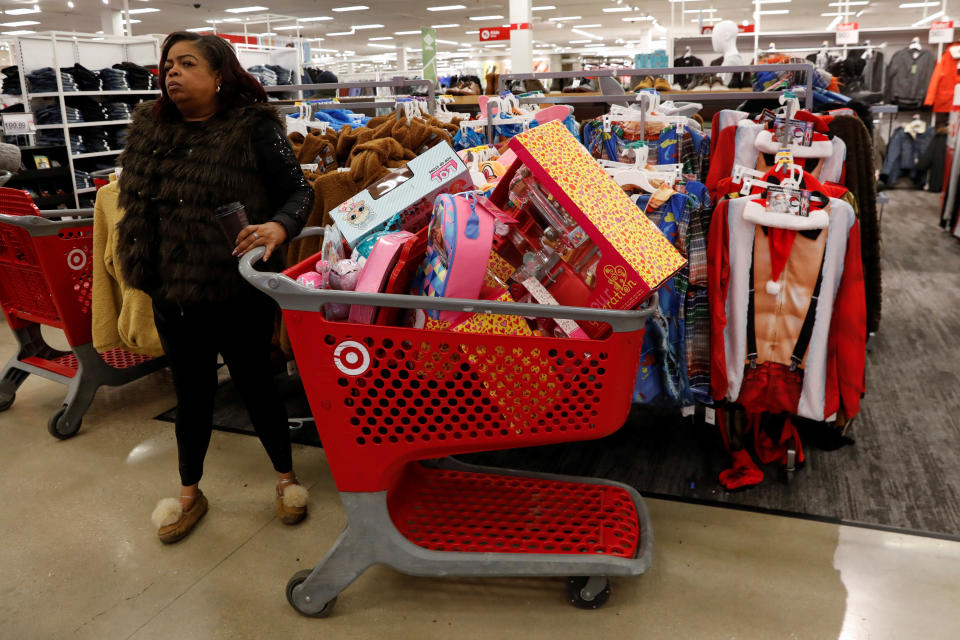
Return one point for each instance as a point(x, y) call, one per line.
point(18, 124)
point(941, 32)
point(710, 415)
point(848, 33)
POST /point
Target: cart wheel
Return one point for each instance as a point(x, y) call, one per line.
point(59, 429)
point(298, 578)
point(598, 594)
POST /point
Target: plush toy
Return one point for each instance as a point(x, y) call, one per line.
point(311, 279)
point(343, 277)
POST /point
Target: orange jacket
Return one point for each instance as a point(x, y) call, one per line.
point(945, 77)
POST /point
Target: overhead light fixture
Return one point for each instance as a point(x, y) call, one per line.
point(360, 27)
point(699, 10)
point(833, 23)
point(546, 7)
point(341, 33)
point(679, 1)
point(617, 9)
point(595, 45)
point(447, 42)
point(852, 3)
point(638, 19)
point(447, 7)
point(382, 46)
point(472, 32)
point(288, 27)
point(480, 18)
point(494, 46)
point(70, 4)
point(587, 26)
point(918, 5)
point(20, 23)
point(929, 18)
point(711, 20)
point(247, 9)
point(444, 26)
point(565, 18)
point(832, 13)
point(144, 10)
point(314, 19)
point(198, 29)
point(587, 34)
point(861, 12)
point(267, 34)
point(774, 12)
point(380, 38)
point(21, 32)
point(775, 1)
point(580, 41)
point(22, 12)
point(132, 21)
point(355, 7)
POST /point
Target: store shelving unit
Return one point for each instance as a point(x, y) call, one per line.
point(59, 49)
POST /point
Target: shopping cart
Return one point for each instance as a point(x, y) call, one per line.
point(46, 267)
point(392, 403)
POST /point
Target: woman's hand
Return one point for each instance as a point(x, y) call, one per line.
point(270, 235)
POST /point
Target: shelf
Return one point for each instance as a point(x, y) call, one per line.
point(38, 174)
point(45, 202)
point(86, 190)
point(96, 154)
point(80, 125)
point(67, 94)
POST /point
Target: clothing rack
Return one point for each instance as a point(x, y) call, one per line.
point(393, 82)
point(680, 95)
point(818, 48)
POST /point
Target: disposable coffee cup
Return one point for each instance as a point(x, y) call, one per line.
point(232, 218)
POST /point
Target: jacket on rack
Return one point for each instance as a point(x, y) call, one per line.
point(934, 160)
point(945, 77)
point(122, 316)
point(797, 347)
point(903, 156)
point(908, 75)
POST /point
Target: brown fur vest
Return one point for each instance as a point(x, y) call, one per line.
point(175, 175)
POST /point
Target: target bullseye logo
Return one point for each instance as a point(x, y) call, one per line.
point(77, 259)
point(351, 358)
point(485, 34)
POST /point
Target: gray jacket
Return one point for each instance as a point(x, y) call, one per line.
point(908, 76)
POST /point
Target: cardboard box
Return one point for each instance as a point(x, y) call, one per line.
point(409, 191)
point(636, 258)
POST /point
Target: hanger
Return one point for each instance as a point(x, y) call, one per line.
point(637, 174)
point(915, 44)
point(687, 53)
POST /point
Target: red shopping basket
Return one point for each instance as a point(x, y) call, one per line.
point(391, 403)
point(46, 278)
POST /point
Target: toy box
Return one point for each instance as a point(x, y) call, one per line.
point(634, 257)
point(409, 192)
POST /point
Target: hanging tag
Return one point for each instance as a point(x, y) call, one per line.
point(687, 411)
point(784, 158)
point(782, 199)
point(798, 132)
point(710, 415)
point(607, 128)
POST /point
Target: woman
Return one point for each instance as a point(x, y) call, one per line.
point(209, 140)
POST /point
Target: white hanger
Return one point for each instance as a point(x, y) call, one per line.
point(915, 44)
point(637, 174)
point(296, 122)
point(749, 178)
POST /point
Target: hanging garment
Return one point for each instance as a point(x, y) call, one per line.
point(934, 160)
point(908, 76)
point(793, 341)
point(945, 77)
point(687, 80)
point(903, 156)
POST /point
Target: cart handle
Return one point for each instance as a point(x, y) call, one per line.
point(40, 225)
point(292, 296)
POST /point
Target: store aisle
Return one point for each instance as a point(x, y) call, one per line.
point(80, 560)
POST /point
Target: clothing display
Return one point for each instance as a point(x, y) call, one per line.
point(114, 79)
point(136, 76)
point(943, 80)
point(907, 145)
point(908, 76)
point(44, 80)
point(11, 81)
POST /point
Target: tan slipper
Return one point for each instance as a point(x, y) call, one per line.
point(172, 522)
point(291, 501)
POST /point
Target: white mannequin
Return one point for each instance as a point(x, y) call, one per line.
point(724, 39)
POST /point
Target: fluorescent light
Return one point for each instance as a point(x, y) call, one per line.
point(247, 9)
point(580, 41)
point(564, 18)
point(314, 19)
point(21, 12)
point(638, 19)
point(382, 46)
point(356, 7)
point(70, 4)
point(267, 34)
point(774, 12)
point(918, 5)
point(679, 1)
point(20, 23)
point(447, 7)
point(406, 33)
point(929, 18)
point(587, 26)
point(288, 27)
point(711, 20)
point(617, 9)
point(358, 27)
point(447, 42)
point(861, 12)
point(341, 33)
point(494, 46)
point(546, 7)
point(833, 23)
point(198, 29)
point(699, 10)
point(832, 13)
point(595, 45)
point(775, 1)
point(380, 38)
point(479, 18)
point(444, 26)
point(145, 10)
point(472, 32)
point(132, 21)
point(852, 3)
point(21, 32)
point(587, 34)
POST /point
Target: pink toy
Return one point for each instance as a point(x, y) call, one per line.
point(376, 271)
point(311, 279)
point(343, 277)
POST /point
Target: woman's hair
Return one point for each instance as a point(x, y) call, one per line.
point(237, 87)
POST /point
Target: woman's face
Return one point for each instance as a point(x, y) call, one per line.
point(190, 81)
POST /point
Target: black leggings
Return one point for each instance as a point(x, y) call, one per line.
point(240, 330)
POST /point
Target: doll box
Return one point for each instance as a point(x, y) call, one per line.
point(409, 192)
point(636, 258)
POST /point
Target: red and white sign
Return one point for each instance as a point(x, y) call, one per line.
point(848, 33)
point(488, 34)
point(741, 28)
point(941, 32)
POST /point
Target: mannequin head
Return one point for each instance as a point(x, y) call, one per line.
point(724, 37)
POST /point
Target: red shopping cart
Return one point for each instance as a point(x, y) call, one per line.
point(46, 267)
point(392, 403)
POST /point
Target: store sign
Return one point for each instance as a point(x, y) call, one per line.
point(18, 124)
point(848, 33)
point(428, 44)
point(489, 34)
point(941, 32)
point(741, 28)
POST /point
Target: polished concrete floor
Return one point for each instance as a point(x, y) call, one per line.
point(79, 558)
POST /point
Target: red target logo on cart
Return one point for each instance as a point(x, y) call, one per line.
point(351, 358)
point(77, 259)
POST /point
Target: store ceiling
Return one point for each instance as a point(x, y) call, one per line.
point(589, 26)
